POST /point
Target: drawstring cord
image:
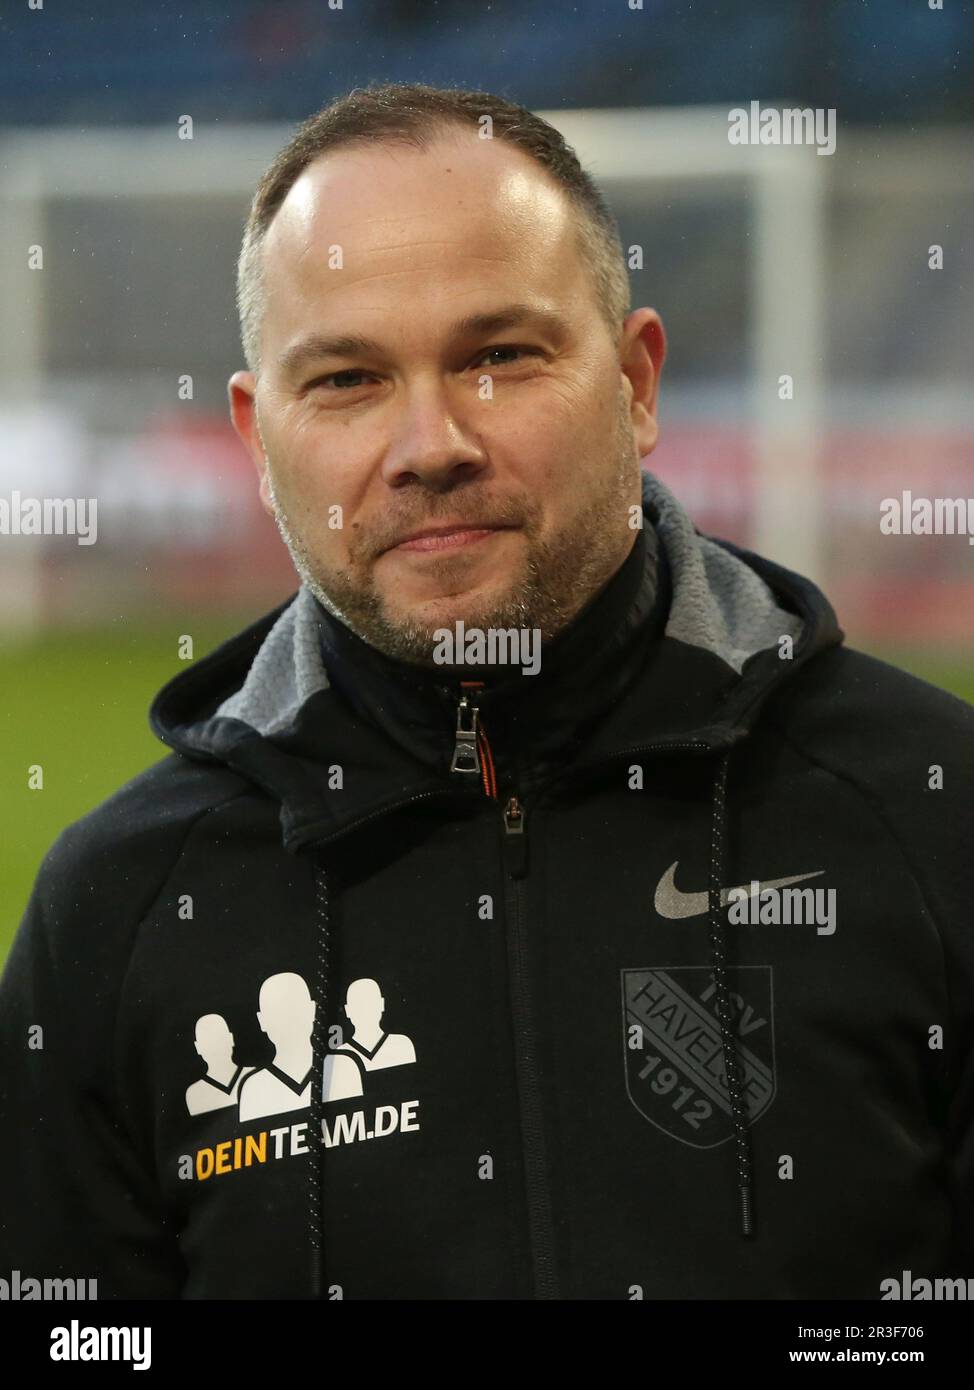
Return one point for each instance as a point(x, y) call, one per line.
point(725, 1012)
point(315, 1207)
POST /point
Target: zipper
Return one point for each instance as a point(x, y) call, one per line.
point(471, 750)
point(466, 748)
point(540, 1225)
point(472, 754)
point(515, 837)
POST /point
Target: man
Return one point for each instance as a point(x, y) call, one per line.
point(591, 893)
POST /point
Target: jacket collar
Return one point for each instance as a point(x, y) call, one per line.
point(317, 719)
point(529, 719)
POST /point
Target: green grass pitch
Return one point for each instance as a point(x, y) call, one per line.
point(76, 704)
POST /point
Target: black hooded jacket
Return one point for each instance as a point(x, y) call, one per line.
point(392, 983)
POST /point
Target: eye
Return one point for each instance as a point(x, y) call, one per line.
point(339, 379)
point(510, 348)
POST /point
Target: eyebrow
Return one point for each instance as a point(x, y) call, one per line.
point(318, 345)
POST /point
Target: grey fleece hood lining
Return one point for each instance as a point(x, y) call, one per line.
point(719, 604)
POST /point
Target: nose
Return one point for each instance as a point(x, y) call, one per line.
point(432, 439)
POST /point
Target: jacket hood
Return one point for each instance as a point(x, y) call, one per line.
point(263, 702)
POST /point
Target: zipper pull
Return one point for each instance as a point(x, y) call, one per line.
point(514, 817)
point(515, 838)
point(466, 755)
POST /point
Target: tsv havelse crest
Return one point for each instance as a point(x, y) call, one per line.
point(674, 1061)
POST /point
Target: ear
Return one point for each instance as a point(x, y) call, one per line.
point(242, 393)
point(260, 1020)
point(642, 351)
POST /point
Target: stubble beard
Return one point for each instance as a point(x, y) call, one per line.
point(558, 577)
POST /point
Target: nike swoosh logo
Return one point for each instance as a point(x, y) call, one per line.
point(670, 902)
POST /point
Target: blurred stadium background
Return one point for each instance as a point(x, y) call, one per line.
point(114, 358)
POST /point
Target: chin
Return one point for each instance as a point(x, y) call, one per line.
point(474, 608)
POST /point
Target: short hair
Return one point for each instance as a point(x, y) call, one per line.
point(414, 114)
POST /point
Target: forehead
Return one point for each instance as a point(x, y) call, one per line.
point(441, 227)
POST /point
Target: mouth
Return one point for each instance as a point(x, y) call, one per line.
point(448, 537)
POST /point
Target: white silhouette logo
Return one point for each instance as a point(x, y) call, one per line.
point(286, 1015)
point(369, 1048)
point(219, 1087)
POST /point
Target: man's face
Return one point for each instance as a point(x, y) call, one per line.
point(477, 393)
